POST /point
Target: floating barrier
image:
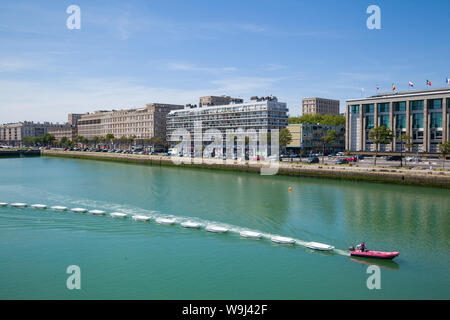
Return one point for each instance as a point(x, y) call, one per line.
point(118, 215)
point(166, 221)
point(18, 205)
point(97, 212)
point(216, 229)
point(282, 240)
point(141, 218)
point(78, 210)
point(39, 206)
point(251, 234)
point(59, 208)
point(191, 225)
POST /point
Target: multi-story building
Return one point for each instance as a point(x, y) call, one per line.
point(421, 114)
point(73, 118)
point(13, 133)
point(259, 113)
point(218, 101)
point(142, 123)
point(67, 131)
point(307, 138)
point(320, 106)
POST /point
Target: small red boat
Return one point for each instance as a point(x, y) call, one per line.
point(374, 254)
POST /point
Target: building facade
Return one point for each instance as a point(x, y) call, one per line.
point(258, 114)
point(320, 106)
point(13, 133)
point(421, 114)
point(307, 138)
point(218, 101)
point(67, 131)
point(142, 123)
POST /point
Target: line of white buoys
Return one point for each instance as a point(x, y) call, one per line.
point(216, 229)
point(39, 206)
point(59, 208)
point(191, 225)
point(167, 221)
point(282, 240)
point(97, 212)
point(251, 234)
point(78, 210)
point(118, 215)
point(18, 205)
point(141, 218)
point(3, 204)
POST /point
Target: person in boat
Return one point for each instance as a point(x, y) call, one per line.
point(362, 247)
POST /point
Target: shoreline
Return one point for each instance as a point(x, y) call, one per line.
point(411, 177)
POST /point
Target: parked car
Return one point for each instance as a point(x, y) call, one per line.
point(351, 159)
point(313, 160)
point(413, 159)
point(393, 158)
point(341, 161)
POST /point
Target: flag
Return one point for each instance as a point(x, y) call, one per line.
point(393, 87)
point(411, 84)
point(428, 83)
point(378, 87)
point(447, 81)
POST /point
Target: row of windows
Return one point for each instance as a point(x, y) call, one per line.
point(415, 105)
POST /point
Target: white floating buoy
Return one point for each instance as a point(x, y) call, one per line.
point(191, 224)
point(78, 210)
point(18, 205)
point(39, 206)
point(216, 229)
point(3, 204)
point(251, 234)
point(59, 208)
point(118, 215)
point(282, 240)
point(141, 218)
point(165, 221)
point(319, 246)
point(97, 212)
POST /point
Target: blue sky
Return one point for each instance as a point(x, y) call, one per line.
point(129, 53)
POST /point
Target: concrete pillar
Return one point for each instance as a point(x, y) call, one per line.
point(444, 120)
point(375, 122)
point(425, 126)
point(347, 128)
point(361, 129)
point(408, 121)
point(391, 124)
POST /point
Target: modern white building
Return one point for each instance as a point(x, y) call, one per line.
point(264, 113)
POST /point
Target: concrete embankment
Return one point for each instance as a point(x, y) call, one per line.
point(19, 153)
point(417, 177)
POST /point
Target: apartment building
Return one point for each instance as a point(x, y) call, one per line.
point(307, 138)
point(13, 133)
point(218, 101)
point(422, 114)
point(320, 106)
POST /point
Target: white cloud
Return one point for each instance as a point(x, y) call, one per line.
point(177, 66)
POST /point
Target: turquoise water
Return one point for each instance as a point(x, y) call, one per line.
point(125, 259)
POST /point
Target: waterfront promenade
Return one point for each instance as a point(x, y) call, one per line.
point(418, 177)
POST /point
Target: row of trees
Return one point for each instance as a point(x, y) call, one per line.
point(327, 119)
point(383, 135)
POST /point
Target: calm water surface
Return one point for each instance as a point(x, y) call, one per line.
point(124, 259)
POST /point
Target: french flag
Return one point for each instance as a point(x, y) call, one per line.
point(447, 81)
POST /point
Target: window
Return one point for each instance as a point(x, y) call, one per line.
point(434, 104)
point(368, 108)
point(417, 121)
point(400, 106)
point(436, 120)
point(384, 121)
point(383, 107)
point(369, 122)
point(354, 109)
point(416, 105)
point(400, 121)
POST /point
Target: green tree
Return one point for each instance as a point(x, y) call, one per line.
point(327, 119)
point(285, 137)
point(405, 140)
point(48, 139)
point(444, 149)
point(327, 139)
point(109, 137)
point(64, 141)
point(380, 135)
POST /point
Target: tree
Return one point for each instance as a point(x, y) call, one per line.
point(109, 137)
point(328, 139)
point(64, 141)
point(380, 135)
point(285, 137)
point(404, 139)
point(444, 149)
point(48, 139)
point(327, 119)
